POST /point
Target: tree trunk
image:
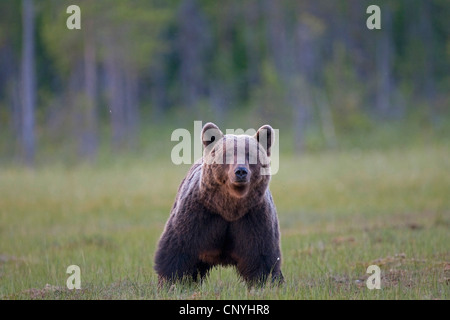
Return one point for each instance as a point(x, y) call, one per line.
point(429, 83)
point(88, 142)
point(15, 100)
point(326, 118)
point(277, 39)
point(28, 83)
point(384, 66)
point(251, 16)
point(131, 107)
point(300, 99)
point(159, 92)
point(116, 100)
point(192, 41)
point(305, 64)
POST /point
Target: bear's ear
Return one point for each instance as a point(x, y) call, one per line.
point(210, 134)
point(265, 136)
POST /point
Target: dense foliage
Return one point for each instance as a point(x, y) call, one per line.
point(304, 66)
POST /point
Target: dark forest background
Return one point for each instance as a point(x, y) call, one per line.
point(139, 69)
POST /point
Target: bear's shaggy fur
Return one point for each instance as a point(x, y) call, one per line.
point(224, 213)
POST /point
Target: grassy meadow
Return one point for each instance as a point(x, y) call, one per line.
point(339, 213)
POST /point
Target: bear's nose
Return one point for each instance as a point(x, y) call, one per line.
point(241, 173)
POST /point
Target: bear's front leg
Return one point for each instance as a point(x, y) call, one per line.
point(256, 269)
point(178, 267)
point(182, 244)
point(176, 258)
point(257, 250)
point(171, 266)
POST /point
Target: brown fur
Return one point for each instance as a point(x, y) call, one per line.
point(219, 218)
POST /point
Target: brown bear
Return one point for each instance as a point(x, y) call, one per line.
point(224, 213)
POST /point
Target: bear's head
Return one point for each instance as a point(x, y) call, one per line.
point(236, 168)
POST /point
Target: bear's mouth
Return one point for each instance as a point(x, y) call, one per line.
point(240, 188)
point(240, 183)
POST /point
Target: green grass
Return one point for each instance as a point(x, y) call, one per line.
point(339, 213)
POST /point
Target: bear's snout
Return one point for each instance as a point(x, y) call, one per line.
point(240, 181)
point(241, 174)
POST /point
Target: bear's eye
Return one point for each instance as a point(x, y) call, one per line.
point(265, 165)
